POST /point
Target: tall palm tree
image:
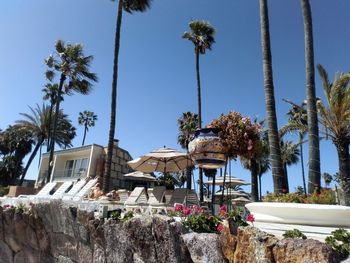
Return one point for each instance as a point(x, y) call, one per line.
point(336, 120)
point(202, 37)
point(129, 6)
point(314, 143)
point(50, 93)
point(87, 119)
point(188, 124)
point(37, 122)
point(327, 179)
point(275, 150)
point(75, 76)
point(290, 156)
point(297, 121)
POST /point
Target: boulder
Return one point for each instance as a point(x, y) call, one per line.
point(228, 244)
point(254, 245)
point(292, 250)
point(204, 247)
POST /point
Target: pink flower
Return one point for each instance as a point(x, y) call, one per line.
point(220, 227)
point(187, 211)
point(223, 208)
point(6, 206)
point(250, 218)
point(179, 207)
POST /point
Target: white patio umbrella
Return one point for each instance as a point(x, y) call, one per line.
point(230, 192)
point(231, 181)
point(162, 160)
point(140, 176)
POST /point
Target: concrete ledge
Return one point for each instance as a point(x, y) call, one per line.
point(303, 214)
point(15, 191)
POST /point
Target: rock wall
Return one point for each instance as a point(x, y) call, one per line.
point(55, 233)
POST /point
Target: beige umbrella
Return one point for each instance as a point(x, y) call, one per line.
point(161, 160)
point(140, 176)
point(229, 180)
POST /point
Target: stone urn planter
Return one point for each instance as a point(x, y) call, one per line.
point(206, 149)
point(303, 214)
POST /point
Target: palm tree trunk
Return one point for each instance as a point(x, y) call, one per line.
point(49, 128)
point(189, 177)
point(31, 158)
point(286, 190)
point(85, 129)
point(314, 143)
point(254, 180)
point(301, 138)
point(260, 194)
point(213, 196)
point(275, 150)
point(53, 137)
point(199, 101)
point(107, 174)
point(344, 172)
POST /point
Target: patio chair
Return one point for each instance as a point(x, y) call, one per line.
point(191, 198)
point(59, 193)
point(137, 200)
point(178, 197)
point(85, 190)
point(43, 193)
point(74, 190)
point(167, 195)
point(156, 200)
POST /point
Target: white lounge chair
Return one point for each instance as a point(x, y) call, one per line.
point(191, 198)
point(59, 193)
point(85, 190)
point(137, 200)
point(123, 196)
point(178, 196)
point(156, 199)
point(75, 189)
point(43, 193)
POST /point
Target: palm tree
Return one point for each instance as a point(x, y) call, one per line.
point(336, 120)
point(275, 150)
point(50, 93)
point(129, 6)
point(87, 119)
point(75, 76)
point(202, 37)
point(188, 124)
point(38, 124)
point(314, 143)
point(327, 179)
point(290, 156)
point(297, 121)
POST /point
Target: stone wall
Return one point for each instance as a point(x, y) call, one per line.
point(53, 232)
point(119, 167)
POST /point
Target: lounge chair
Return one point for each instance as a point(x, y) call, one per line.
point(59, 193)
point(191, 198)
point(156, 200)
point(137, 201)
point(85, 190)
point(178, 197)
point(43, 193)
point(167, 195)
point(74, 190)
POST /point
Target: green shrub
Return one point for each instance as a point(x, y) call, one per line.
point(295, 233)
point(4, 190)
point(127, 216)
point(203, 223)
point(340, 241)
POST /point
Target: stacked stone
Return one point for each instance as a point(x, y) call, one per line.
point(119, 167)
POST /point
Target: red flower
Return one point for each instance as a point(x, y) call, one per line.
point(179, 207)
point(250, 218)
point(220, 227)
point(187, 211)
point(284, 190)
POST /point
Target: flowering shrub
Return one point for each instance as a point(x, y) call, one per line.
point(236, 215)
point(326, 196)
point(295, 233)
point(196, 219)
point(239, 135)
point(20, 208)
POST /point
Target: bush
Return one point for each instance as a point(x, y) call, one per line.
point(340, 241)
point(295, 233)
point(326, 196)
point(4, 190)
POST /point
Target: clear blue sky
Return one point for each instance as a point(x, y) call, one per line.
point(157, 72)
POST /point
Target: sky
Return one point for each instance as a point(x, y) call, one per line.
point(156, 66)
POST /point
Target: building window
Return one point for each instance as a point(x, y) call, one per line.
point(76, 168)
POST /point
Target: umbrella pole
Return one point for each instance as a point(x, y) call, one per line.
point(223, 186)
